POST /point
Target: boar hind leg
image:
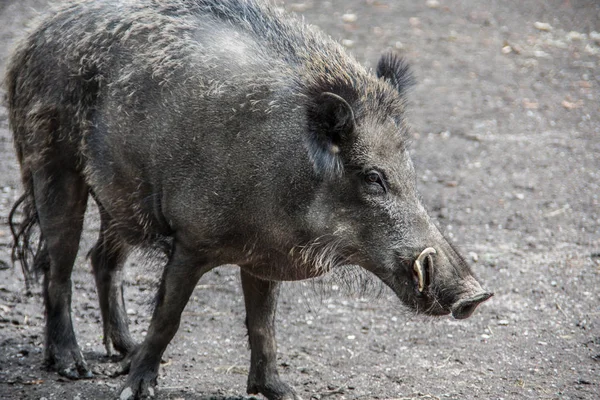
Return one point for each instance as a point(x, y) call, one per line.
point(261, 303)
point(180, 276)
point(108, 257)
point(60, 199)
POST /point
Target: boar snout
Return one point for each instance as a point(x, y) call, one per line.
point(444, 284)
point(467, 301)
point(463, 308)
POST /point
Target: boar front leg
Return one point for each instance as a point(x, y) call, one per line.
point(180, 277)
point(260, 297)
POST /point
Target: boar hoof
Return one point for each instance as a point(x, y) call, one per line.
point(123, 366)
point(75, 368)
point(138, 389)
point(274, 391)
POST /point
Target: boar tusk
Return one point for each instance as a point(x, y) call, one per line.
point(420, 270)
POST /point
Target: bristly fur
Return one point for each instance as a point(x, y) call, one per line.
point(393, 68)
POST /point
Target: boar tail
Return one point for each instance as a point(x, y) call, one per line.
point(28, 244)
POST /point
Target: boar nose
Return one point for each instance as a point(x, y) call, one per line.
point(463, 308)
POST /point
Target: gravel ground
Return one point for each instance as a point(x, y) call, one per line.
point(506, 141)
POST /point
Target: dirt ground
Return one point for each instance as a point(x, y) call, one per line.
point(506, 131)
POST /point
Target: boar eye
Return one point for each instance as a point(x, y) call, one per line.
point(375, 179)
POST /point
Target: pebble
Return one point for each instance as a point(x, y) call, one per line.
point(485, 336)
point(351, 337)
point(503, 322)
point(542, 26)
point(349, 17)
point(433, 3)
point(347, 43)
point(595, 36)
point(298, 7)
point(591, 49)
point(126, 394)
point(474, 256)
point(414, 21)
point(573, 35)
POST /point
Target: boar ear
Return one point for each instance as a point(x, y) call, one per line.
point(395, 70)
point(330, 123)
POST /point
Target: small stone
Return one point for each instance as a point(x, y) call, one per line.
point(519, 196)
point(126, 394)
point(473, 256)
point(573, 35)
point(485, 336)
point(414, 21)
point(542, 26)
point(349, 18)
point(351, 337)
point(591, 49)
point(432, 3)
point(570, 105)
point(131, 311)
point(298, 7)
point(530, 105)
point(347, 43)
point(553, 283)
point(399, 45)
point(503, 322)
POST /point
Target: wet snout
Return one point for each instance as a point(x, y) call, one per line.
point(470, 295)
point(463, 308)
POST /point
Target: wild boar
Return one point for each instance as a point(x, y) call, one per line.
point(223, 132)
